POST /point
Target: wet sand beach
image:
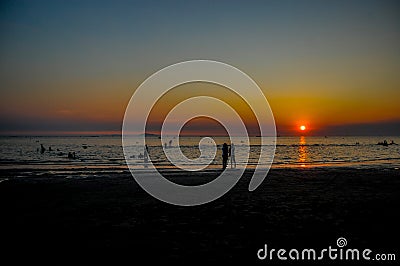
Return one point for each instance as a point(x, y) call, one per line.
point(69, 219)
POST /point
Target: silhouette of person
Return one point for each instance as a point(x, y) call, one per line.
point(225, 155)
point(42, 148)
point(146, 154)
point(232, 154)
point(71, 155)
point(170, 143)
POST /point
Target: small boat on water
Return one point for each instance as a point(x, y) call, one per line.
point(385, 143)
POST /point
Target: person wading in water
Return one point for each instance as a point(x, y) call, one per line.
point(225, 155)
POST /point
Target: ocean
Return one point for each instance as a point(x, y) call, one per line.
point(106, 152)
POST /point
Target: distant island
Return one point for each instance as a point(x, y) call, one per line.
point(149, 135)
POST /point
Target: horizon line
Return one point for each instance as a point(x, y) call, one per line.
point(156, 136)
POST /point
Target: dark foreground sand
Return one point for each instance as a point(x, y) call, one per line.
point(110, 219)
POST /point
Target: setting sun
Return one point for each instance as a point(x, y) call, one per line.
point(302, 128)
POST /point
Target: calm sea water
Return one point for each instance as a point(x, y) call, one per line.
point(105, 152)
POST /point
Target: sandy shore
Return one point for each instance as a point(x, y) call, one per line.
point(109, 218)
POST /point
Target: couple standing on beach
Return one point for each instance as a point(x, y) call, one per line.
point(228, 151)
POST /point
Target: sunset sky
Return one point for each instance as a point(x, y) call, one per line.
point(70, 67)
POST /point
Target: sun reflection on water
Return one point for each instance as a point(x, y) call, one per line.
point(302, 151)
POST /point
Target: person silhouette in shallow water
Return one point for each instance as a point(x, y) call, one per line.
point(232, 154)
point(71, 155)
point(146, 154)
point(42, 148)
point(225, 155)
